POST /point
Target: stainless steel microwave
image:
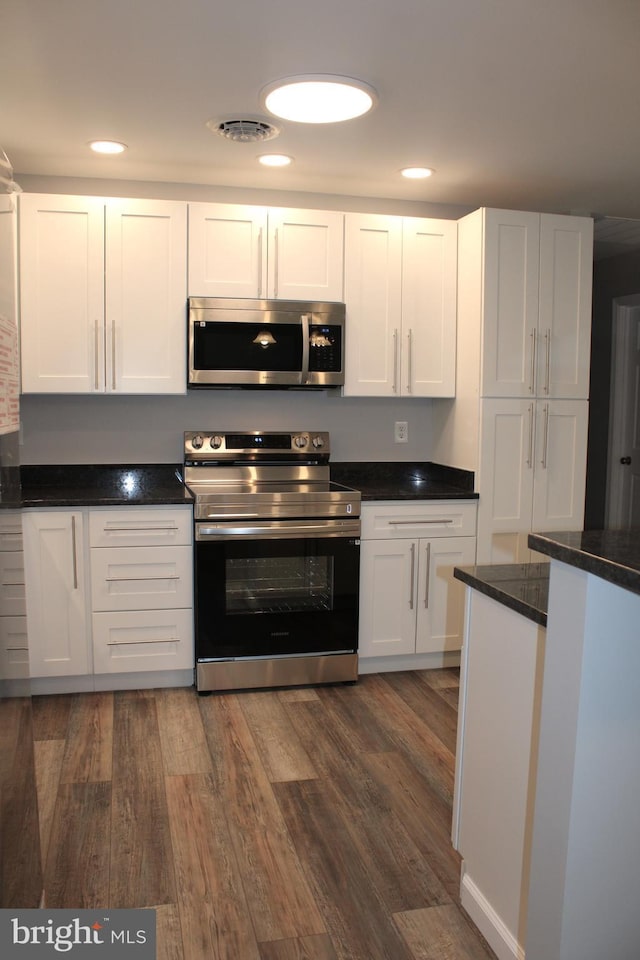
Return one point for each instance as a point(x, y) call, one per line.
point(265, 343)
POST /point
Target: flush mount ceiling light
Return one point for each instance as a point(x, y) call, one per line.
point(275, 160)
point(264, 339)
point(318, 98)
point(107, 146)
point(417, 173)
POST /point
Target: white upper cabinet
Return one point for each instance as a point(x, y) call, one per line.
point(400, 291)
point(271, 253)
point(536, 289)
point(103, 295)
point(62, 294)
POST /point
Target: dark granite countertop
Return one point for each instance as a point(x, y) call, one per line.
point(613, 555)
point(103, 485)
point(405, 481)
point(523, 587)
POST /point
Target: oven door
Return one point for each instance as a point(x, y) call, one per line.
point(276, 588)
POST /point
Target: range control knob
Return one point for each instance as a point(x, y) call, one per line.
point(301, 441)
point(197, 441)
point(318, 442)
point(216, 442)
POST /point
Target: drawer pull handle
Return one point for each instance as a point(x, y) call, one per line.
point(109, 529)
point(136, 579)
point(415, 523)
point(128, 643)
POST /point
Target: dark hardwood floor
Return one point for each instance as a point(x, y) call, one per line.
point(301, 824)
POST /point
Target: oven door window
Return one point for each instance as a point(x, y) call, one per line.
point(276, 597)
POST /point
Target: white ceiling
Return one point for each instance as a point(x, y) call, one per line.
point(530, 104)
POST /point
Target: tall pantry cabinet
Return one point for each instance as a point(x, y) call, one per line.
point(521, 412)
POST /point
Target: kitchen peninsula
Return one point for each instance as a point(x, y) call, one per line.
point(546, 816)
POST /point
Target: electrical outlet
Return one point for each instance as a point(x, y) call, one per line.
point(401, 433)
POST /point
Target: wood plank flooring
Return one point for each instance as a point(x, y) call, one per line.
point(302, 824)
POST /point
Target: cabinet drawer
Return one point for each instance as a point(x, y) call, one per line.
point(10, 531)
point(143, 640)
point(146, 526)
point(141, 578)
point(14, 652)
point(12, 591)
point(385, 520)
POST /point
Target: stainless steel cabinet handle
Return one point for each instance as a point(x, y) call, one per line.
point(74, 553)
point(96, 354)
point(530, 456)
point(532, 372)
point(426, 583)
point(118, 643)
point(260, 278)
point(547, 376)
point(413, 567)
point(415, 523)
point(113, 356)
point(395, 360)
point(109, 529)
point(136, 579)
point(545, 441)
point(275, 263)
point(409, 360)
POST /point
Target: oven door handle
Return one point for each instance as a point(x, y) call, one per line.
point(276, 531)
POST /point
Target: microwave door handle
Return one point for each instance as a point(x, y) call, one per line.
point(305, 317)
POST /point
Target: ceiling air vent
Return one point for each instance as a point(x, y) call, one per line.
point(244, 131)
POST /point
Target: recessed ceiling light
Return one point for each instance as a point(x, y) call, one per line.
point(275, 160)
point(417, 173)
point(318, 98)
point(107, 146)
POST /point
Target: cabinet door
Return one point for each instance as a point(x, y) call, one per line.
point(146, 292)
point(227, 250)
point(560, 469)
point(306, 255)
point(55, 592)
point(505, 479)
point(440, 608)
point(373, 295)
point(388, 597)
point(62, 293)
point(564, 335)
point(429, 276)
point(510, 308)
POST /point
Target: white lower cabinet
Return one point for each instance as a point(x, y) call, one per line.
point(56, 592)
point(109, 590)
point(409, 601)
point(14, 651)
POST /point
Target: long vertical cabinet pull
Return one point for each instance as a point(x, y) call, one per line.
point(113, 356)
point(545, 438)
point(532, 372)
point(275, 263)
point(96, 355)
point(409, 360)
point(413, 569)
point(531, 420)
point(428, 577)
point(260, 277)
point(395, 360)
point(74, 553)
point(547, 376)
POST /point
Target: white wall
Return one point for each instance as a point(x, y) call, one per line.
point(116, 429)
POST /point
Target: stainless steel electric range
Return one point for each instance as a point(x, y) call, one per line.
point(277, 556)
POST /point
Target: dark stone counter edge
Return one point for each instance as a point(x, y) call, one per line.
point(495, 593)
point(102, 484)
point(606, 568)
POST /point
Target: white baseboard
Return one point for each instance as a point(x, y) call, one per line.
point(412, 661)
point(111, 681)
point(498, 936)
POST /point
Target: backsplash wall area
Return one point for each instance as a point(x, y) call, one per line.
point(141, 429)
